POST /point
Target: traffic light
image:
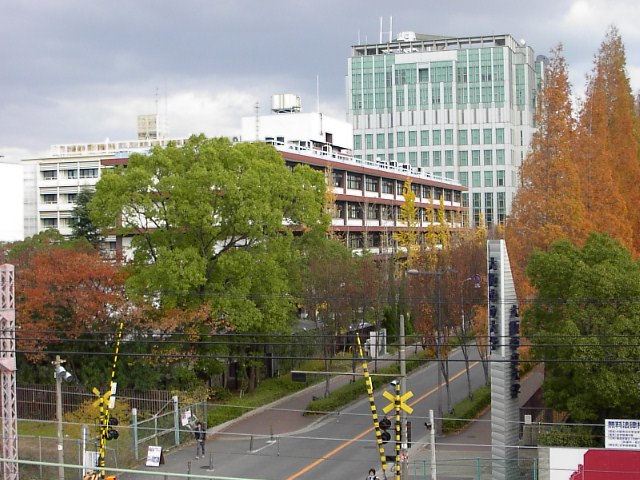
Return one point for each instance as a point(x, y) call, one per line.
point(515, 390)
point(112, 433)
point(385, 424)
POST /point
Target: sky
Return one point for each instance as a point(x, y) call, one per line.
point(78, 71)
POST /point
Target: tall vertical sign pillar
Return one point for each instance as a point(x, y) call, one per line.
point(505, 413)
point(8, 373)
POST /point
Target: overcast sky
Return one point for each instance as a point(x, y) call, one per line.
point(81, 71)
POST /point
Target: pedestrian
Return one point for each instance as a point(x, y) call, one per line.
point(372, 475)
point(201, 436)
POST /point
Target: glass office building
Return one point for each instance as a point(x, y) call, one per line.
point(460, 109)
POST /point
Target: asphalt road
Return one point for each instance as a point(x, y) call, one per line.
point(278, 442)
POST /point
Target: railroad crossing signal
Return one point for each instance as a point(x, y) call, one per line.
point(403, 398)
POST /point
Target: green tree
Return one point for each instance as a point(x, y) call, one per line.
point(82, 226)
point(584, 324)
point(216, 231)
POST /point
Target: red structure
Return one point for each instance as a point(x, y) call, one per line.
point(609, 465)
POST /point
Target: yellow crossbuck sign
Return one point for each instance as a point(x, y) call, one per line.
point(392, 398)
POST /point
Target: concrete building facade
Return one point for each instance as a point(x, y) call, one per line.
point(461, 109)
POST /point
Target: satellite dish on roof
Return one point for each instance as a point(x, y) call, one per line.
point(523, 42)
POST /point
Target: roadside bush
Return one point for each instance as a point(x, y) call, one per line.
point(467, 410)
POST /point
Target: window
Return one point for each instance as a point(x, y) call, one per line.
point(373, 212)
point(463, 158)
point(357, 142)
point(413, 138)
point(400, 157)
point(500, 178)
point(368, 138)
point(475, 136)
point(49, 175)
point(475, 158)
point(500, 156)
point(88, 173)
point(371, 184)
point(424, 137)
point(423, 75)
point(49, 198)
point(50, 222)
point(464, 178)
point(437, 159)
point(437, 134)
point(424, 159)
point(354, 181)
point(488, 178)
point(475, 179)
point(400, 139)
point(380, 140)
point(499, 135)
point(338, 179)
point(72, 197)
point(448, 158)
point(354, 211)
point(389, 140)
point(413, 159)
point(488, 157)
point(71, 174)
point(399, 187)
point(488, 207)
point(462, 137)
point(488, 137)
point(449, 175)
point(387, 186)
point(448, 136)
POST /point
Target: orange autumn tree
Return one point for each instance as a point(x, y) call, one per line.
point(64, 291)
point(608, 123)
point(548, 204)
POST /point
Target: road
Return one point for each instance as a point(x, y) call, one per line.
point(280, 443)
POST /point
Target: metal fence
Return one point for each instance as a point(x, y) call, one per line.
point(476, 468)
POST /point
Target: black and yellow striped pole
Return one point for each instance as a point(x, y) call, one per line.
point(104, 410)
point(398, 431)
point(372, 405)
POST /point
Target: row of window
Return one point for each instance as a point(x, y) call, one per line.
point(53, 222)
point(70, 174)
point(411, 138)
point(390, 186)
point(52, 198)
point(374, 211)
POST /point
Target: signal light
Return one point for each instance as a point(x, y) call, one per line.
point(385, 424)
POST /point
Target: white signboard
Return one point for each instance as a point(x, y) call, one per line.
point(154, 456)
point(622, 434)
point(185, 418)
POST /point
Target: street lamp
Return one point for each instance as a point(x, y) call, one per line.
point(476, 284)
point(60, 374)
point(437, 274)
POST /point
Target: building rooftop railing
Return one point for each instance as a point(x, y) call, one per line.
point(112, 147)
point(328, 153)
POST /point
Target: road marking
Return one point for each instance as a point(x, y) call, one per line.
point(314, 464)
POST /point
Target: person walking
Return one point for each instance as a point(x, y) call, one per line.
point(201, 436)
point(372, 475)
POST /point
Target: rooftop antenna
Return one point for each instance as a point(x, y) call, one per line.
point(380, 30)
point(166, 110)
point(318, 92)
point(390, 28)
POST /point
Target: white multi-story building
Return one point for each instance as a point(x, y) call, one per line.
point(458, 108)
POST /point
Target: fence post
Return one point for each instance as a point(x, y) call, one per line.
point(134, 432)
point(176, 419)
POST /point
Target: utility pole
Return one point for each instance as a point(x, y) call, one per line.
point(403, 389)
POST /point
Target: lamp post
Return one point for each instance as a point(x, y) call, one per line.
point(60, 374)
point(437, 274)
point(476, 280)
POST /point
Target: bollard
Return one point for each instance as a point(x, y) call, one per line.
point(251, 444)
point(210, 461)
point(271, 430)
